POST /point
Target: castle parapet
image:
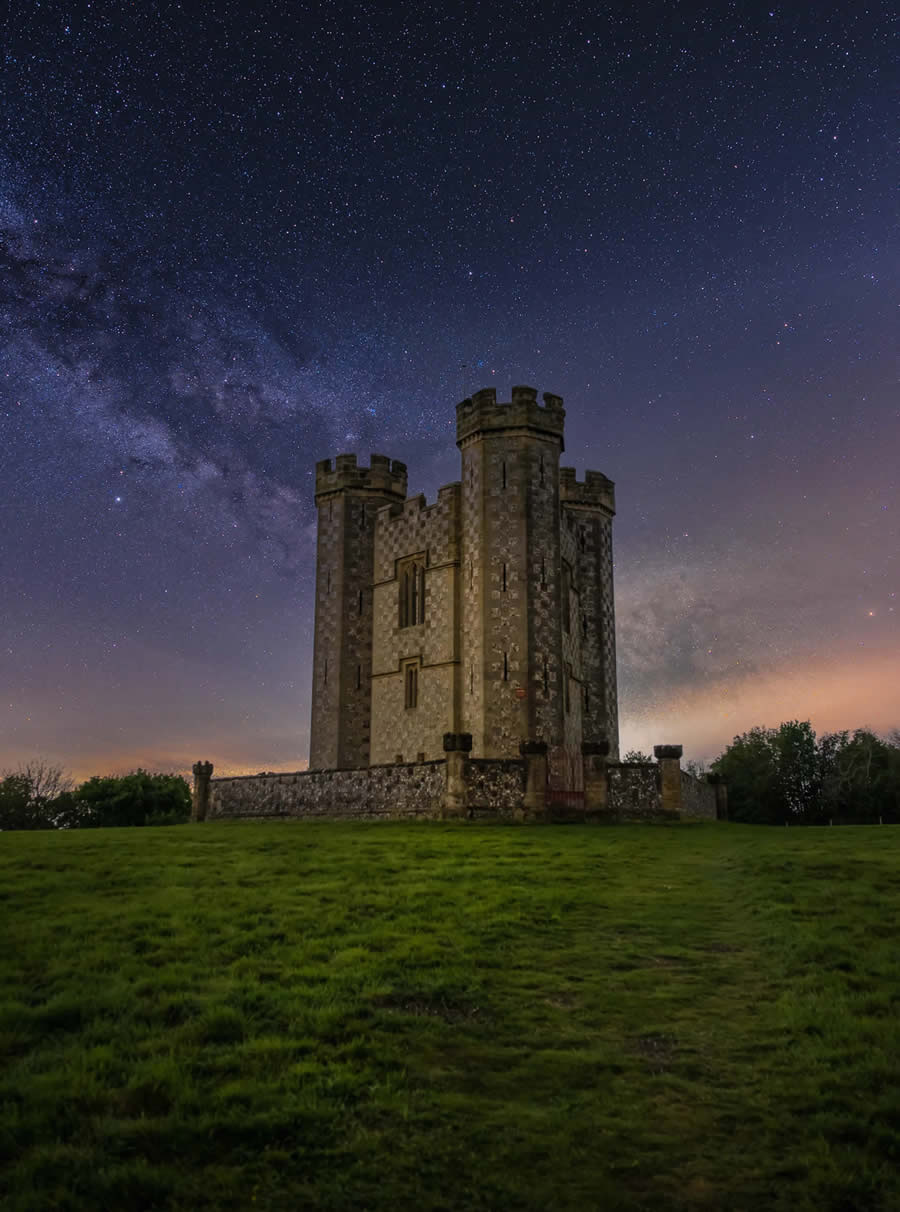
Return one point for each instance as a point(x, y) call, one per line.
point(596, 491)
point(482, 414)
point(383, 475)
point(448, 497)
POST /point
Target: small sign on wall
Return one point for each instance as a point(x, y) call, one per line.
point(521, 692)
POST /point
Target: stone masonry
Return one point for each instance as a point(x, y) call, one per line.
point(348, 499)
point(462, 787)
point(465, 653)
point(489, 612)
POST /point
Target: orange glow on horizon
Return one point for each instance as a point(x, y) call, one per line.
point(849, 695)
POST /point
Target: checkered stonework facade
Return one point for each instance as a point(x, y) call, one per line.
point(489, 612)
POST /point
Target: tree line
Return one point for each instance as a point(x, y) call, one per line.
point(40, 795)
point(788, 775)
point(775, 776)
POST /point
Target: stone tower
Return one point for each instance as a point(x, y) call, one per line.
point(512, 654)
point(348, 498)
point(587, 510)
point(488, 612)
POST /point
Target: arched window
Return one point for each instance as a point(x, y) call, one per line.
point(411, 579)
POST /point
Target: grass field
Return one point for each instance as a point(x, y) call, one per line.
point(431, 1016)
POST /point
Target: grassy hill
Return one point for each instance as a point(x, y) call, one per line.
point(317, 1016)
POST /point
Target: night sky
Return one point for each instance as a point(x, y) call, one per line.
point(236, 242)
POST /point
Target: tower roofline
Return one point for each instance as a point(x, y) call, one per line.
point(383, 475)
point(482, 414)
point(596, 490)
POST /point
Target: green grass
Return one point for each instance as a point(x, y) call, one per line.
point(450, 1017)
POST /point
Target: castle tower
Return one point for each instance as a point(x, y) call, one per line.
point(512, 662)
point(347, 498)
point(587, 511)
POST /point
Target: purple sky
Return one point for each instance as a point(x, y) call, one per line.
point(233, 244)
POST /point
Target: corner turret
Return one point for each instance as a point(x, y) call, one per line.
point(595, 492)
point(383, 475)
point(348, 498)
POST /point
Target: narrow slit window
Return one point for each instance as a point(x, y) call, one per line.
point(471, 680)
point(503, 578)
point(546, 679)
point(503, 474)
point(359, 677)
point(359, 602)
point(328, 581)
point(325, 674)
point(410, 686)
point(566, 603)
point(543, 573)
point(542, 471)
point(587, 700)
point(506, 667)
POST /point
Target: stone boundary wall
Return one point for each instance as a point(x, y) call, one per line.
point(698, 798)
point(495, 788)
point(410, 791)
point(462, 787)
point(633, 791)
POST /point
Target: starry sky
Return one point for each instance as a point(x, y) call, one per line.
point(238, 238)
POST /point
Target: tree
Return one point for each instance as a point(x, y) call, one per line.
point(17, 809)
point(861, 782)
point(28, 795)
point(798, 779)
point(748, 766)
point(784, 774)
point(635, 755)
point(139, 798)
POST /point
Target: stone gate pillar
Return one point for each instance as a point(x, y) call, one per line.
point(596, 788)
point(669, 758)
point(200, 792)
point(721, 789)
point(535, 755)
point(457, 747)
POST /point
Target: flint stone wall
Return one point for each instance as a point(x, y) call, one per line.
point(634, 791)
point(410, 791)
point(698, 798)
point(495, 788)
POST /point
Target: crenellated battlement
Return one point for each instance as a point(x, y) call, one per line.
point(595, 490)
point(383, 475)
point(447, 496)
point(482, 414)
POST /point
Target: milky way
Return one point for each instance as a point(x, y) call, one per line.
point(236, 243)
